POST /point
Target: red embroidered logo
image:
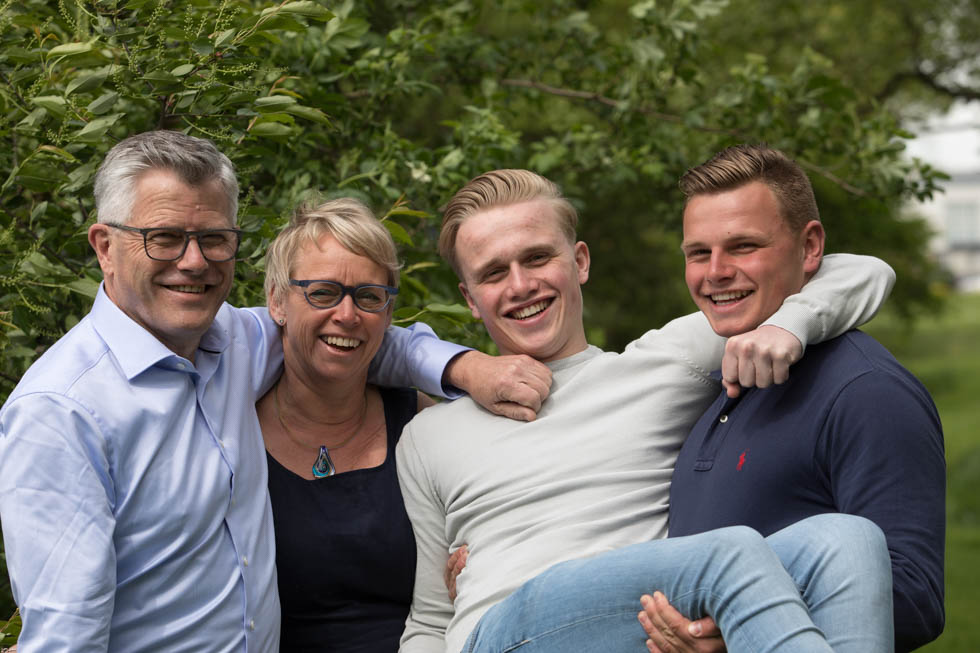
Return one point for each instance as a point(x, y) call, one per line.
point(741, 461)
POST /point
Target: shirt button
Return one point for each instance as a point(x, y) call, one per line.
point(222, 443)
point(251, 624)
point(181, 366)
point(245, 560)
point(723, 419)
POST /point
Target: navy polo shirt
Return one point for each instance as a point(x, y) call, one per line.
point(852, 431)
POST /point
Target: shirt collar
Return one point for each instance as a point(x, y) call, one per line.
point(135, 348)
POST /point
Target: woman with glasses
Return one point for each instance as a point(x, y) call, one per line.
point(345, 551)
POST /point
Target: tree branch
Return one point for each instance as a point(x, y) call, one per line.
point(610, 102)
point(823, 172)
point(930, 81)
point(602, 99)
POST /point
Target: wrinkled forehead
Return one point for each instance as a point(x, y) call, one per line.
point(160, 196)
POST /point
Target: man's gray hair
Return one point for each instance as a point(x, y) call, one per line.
point(195, 161)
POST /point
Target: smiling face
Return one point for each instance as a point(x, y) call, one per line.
point(333, 344)
point(742, 259)
point(522, 277)
point(176, 301)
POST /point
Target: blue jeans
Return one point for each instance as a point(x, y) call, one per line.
point(841, 567)
point(590, 605)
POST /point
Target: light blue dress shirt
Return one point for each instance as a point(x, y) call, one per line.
point(133, 491)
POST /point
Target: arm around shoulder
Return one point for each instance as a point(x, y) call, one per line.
point(845, 292)
point(414, 357)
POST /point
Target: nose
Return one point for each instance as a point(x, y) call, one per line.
point(193, 259)
point(720, 267)
point(522, 281)
point(345, 312)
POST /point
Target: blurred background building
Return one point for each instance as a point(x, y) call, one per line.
point(952, 143)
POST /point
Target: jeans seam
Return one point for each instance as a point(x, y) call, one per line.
point(570, 624)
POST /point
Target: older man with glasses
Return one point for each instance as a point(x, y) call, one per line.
point(133, 481)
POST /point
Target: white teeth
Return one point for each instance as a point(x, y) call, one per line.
point(348, 343)
point(528, 311)
point(721, 297)
point(191, 289)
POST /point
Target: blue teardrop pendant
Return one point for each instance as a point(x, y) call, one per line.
point(323, 466)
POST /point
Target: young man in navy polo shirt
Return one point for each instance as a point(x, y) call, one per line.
point(850, 431)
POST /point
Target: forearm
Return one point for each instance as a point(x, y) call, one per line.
point(414, 357)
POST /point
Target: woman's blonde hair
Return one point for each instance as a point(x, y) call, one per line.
point(346, 219)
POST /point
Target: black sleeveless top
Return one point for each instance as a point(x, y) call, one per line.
point(345, 552)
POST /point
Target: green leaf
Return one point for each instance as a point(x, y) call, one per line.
point(308, 112)
point(398, 232)
point(33, 119)
point(274, 102)
point(160, 77)
point(54, 104)
point(182, 70)
point(270, 129)
point(95, 130)
point(80, 177)
point(39, 265)
point(284, 118)
point(85, 286)
point(225, 37)
point(39, 176)
point(22, 55)
point(307, 8)
point(421, 265)
point(103, 103)
point(89, 82)
point(457, 311)
point(69, 49)
point(410, 212)
point(452, 159)
point(57, 151)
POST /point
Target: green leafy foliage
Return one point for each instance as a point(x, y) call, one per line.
point(399, 103)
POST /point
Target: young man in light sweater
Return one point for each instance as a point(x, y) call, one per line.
point(586, 484)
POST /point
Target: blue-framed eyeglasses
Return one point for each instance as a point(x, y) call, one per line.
point(170, 243)
point(370, 297)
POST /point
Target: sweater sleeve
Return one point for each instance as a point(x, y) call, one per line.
point(845, 293)
point(431, 609)
point(886, 463)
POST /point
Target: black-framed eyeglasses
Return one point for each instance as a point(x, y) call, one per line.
point(169, 243)
point(370, 297)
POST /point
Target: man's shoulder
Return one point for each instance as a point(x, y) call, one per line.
point(856, 367)
point(449, 415)
point(65, 363)
point(853, 354)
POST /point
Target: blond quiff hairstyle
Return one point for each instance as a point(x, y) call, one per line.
point(500, 188)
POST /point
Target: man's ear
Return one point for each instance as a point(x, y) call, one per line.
point(469, 301)
point(98, 238)
point(582, 261)
point(813, 238)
